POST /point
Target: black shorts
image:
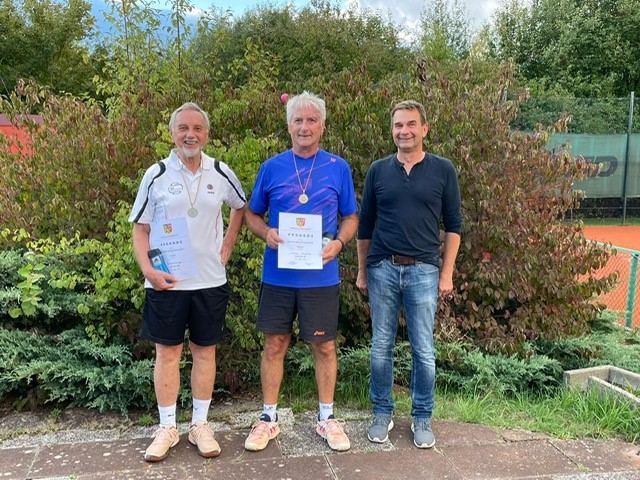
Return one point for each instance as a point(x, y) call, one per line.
point(316, 309)
point(167, 314)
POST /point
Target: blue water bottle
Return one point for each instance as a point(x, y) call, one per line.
point(157, 260)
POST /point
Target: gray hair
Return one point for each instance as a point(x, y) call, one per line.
point(304, 100)
point(410, 105)
point(188, 106)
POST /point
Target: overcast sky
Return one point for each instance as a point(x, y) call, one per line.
point(403, 11)
point(479, 10)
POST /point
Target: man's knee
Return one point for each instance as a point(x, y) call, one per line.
point(201, 353)
point(324, 349)
point(275, 346)
point(168, 354)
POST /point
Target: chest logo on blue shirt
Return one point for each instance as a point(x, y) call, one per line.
point(175, 188)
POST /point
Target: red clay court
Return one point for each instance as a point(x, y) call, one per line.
point(625, 237)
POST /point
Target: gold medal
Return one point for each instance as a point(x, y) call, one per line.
point(303, 198)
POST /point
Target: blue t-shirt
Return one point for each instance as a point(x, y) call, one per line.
point(331, 194)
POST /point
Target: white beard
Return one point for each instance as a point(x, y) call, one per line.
point(190, 152)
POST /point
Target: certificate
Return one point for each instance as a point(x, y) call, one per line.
point(302, 247)
point(172, 238)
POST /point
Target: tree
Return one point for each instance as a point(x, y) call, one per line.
point(43, 40)
point(319, 39)
point(586, 48)
point(446, 34)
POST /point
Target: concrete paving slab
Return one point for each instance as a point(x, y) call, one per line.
point(447, 433)
point(232, 447)
point(357, 431)
point(398, 465)
point(601, 476)
point(463, 451)
point(300, 468)
point(301, 439)
point(176, 472)
point(87, 458)
point(599, 455)
point(401, 436)
point(532, 459)
point(450, 433)
point(118, 456)
point(521, 435)
point(16, 462)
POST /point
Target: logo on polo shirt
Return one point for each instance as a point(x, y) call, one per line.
point(175, 188)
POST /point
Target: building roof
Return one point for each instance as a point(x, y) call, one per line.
point(5, 122)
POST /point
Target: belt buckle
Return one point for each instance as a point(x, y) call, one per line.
point(402, 260)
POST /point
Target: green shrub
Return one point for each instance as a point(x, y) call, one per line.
point(521, 273)
point(55, 285)
point(44, 283)
point(504, 374)
point(70, 181)
point(608, 344)
point(461, 367)
point(72, 369)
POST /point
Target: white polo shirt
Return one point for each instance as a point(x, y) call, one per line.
point(165, 197)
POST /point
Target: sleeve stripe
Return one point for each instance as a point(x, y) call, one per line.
point(216, 164)
point(163, 168)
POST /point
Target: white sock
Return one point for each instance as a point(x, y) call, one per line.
point(270, 410)
point(167, 415)
point(326, 410)
point(200, 410)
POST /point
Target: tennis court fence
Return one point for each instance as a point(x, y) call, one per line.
point(625, 297)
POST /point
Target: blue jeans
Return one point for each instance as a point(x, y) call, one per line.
point(416, 288)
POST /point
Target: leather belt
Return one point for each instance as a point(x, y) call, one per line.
point(402, 260)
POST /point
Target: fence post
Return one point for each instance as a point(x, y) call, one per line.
point(631, 297)
point(626, 162)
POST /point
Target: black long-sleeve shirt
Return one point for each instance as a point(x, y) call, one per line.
point(401, 213)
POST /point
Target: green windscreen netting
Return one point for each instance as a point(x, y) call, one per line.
point(610, 151)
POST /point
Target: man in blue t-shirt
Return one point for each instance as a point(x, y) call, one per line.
point(316, 185)
point(405, 197)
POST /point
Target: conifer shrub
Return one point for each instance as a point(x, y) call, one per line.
point(72, 369)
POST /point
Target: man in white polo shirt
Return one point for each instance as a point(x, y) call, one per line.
point(186, 190)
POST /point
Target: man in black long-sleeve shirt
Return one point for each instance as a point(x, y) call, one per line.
point(405, 197)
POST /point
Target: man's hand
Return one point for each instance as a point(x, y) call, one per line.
point(361, 282)
point(273, 239)
point(331, 251)
point(445, 285)
point(161, 280)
